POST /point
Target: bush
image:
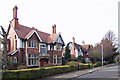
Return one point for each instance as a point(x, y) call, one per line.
point(36, 73)
point(97, 64)
point(72, 63)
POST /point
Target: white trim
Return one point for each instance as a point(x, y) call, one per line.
point(36, 59)
point(56, 55)
point(14, 52)
point(34, 31)
point(26, 54)
point(57, 38)
point(14, 30)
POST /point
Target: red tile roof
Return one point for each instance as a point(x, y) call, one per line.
point(24, 32)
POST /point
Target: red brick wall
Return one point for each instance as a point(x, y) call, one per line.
point(32, 50)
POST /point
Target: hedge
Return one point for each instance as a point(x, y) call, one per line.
point(37, 73)
point(97, 64)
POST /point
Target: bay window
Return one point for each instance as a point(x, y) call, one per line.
point(33, 60)
point(43, 48)
point(58, 47)
point(57, 59)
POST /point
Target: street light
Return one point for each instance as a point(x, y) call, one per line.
point(102, 55)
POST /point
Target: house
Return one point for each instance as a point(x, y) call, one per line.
point(32, 47)
point(77, 50)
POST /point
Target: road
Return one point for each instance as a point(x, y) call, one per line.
point(105, 72)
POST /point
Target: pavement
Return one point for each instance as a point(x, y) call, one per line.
point(74, 74)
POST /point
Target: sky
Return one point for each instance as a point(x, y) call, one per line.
point(86, 20)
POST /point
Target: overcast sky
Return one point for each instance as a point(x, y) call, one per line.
point(86, 20)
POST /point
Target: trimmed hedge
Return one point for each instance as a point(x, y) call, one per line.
point(97, 64)
point(37, 73)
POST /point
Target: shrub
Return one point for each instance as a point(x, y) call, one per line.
point(97, 64)
point(36, 73)
point(72, 63)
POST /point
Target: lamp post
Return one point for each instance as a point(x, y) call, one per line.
point(102, 55)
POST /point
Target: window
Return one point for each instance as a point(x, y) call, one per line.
point(59, 47)
point(15, 60)
point(48, 47)
point(32, 44)
point(32, 60)
point(54, 57)
point(29, 43)
point(57, 59)
point(43, 49)
point(54, 47)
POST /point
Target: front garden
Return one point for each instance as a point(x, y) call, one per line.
point(37, 73)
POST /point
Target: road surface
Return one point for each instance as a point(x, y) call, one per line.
point(104, 73)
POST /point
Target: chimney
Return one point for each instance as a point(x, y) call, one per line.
point(83, 42)
point(73, 41)
point(15, 19)
point(54, 29)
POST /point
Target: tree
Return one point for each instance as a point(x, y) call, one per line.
point(95, 53)
point(110, 36)
point(4, 61)
point(108, 48)
point(67, 53)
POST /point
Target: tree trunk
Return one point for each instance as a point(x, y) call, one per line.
point(5, 52)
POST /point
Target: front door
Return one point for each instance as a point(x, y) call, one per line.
point(42, 62)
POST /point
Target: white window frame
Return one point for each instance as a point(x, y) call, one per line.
point(40, 44)
point(34, 43)
point(56, 59)
point(59, 47)
point(55, 48)
point(35, 60)
point(48, 47)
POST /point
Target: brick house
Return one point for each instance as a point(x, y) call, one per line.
point(32, 47)
point(77, 49)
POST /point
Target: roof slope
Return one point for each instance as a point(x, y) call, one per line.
point(84, 48)
point(23, 32)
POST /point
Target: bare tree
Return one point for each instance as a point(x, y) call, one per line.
point(108, 47)
point(110, 36)
point(4, 60)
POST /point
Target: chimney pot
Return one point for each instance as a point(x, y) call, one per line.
point(54, 29)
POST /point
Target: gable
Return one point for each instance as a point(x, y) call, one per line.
point(59, 40)
point(11, 31)
point(31, 34)
point(34, 37)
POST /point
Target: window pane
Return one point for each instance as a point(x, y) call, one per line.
point(54, 47)
point(32, 43)
point(55, 61)
point(28, 61)
point(29, 43)
point(48, 47)
point(32, 61)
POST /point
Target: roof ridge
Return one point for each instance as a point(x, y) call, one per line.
point(34, 29)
